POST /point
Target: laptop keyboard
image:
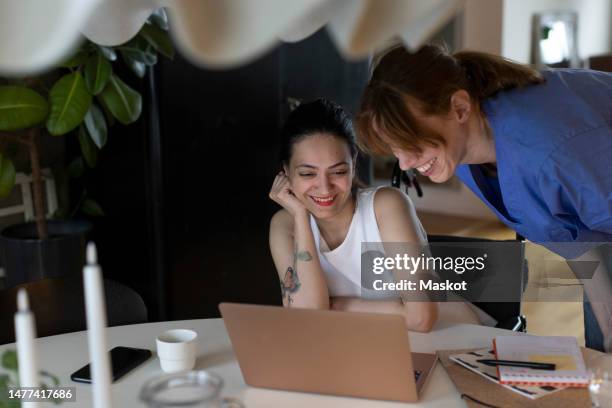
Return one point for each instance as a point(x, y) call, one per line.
point(417, 374)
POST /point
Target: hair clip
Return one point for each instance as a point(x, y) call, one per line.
point(396, 176)
point(407, 177)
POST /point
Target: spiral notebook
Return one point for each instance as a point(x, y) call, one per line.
point(563, 351)
point(469, 360)
point(474, 385)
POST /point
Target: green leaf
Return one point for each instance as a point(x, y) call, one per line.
point(110, 119)
point(14, 404)
point(96, 126)
point(159, 39)
point(137, 67)
point(90, 207)
point(76, 168)
point(138, 49)
point(10, 403)
point(97, 72)
point(108, 53)
point(7, 176)
point(70, 101)
point(75, 60)
point(9, 360)
point(160, 18)
point(52, 377)
point(122, 101)
point(88, 148)
point(45, 386)
point(21, 108)
point(6, 402)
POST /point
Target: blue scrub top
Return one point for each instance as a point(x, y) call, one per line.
point(554, 160)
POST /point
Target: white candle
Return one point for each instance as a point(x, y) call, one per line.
point(96, 330)
point(25, 334)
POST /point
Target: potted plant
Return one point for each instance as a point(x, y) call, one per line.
point(81, 97)
point(9, 379)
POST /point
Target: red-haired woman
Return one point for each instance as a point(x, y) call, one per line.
point(536, 147)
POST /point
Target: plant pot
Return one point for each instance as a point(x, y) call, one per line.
point(27, 258)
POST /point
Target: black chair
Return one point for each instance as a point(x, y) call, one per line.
point(511, 266)
point(59, 306)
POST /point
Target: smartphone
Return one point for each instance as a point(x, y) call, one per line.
point(124, 360)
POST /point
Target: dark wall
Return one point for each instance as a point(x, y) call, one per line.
point(218, 144)
point(187, 203)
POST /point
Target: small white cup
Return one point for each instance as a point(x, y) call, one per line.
point(177, 350)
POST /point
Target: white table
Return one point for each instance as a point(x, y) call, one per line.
point(63, 354)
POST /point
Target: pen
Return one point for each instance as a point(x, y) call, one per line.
point(525, 364)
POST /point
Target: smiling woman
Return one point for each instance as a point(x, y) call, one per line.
point(534, 146)
point(316, 238)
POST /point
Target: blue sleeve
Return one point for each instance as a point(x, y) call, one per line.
point(575, 182)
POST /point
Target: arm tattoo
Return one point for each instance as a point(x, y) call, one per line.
point(303, 256)
point(291, 282)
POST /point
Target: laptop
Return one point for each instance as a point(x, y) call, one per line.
point(327, 352)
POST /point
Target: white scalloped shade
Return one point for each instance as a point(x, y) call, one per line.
point(35, 34)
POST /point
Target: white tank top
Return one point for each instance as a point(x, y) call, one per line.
point(342, 265)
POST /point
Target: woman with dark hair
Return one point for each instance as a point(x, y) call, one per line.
point(316, 238)
point(536, 147)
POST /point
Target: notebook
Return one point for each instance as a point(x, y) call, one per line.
point(475, 386)
point(470, 359)
point(560, 350)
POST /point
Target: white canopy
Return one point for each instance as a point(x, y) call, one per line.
point(35, 34)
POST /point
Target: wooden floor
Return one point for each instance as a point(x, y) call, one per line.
point(543, 317)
